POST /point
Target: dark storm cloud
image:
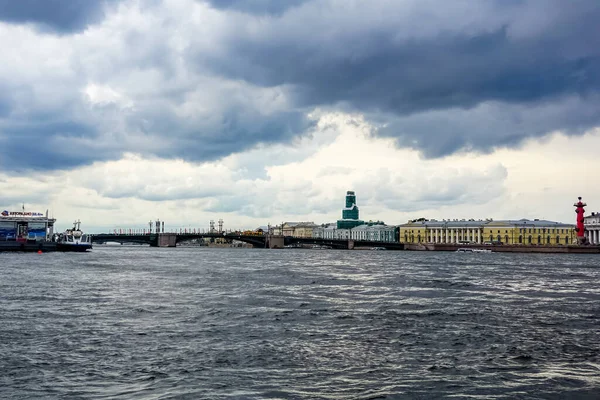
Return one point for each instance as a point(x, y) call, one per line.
point(58, 15)
point(36, 143)
point(257, 6)
point(482, 128)
point(233, 129)
point(438, 76)
point(47, 145)
point(526, 53)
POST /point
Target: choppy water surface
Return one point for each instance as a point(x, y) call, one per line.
point(142, 323)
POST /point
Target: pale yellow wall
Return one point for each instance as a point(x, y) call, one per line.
point(413, 233)
point(509, 234)
point(303, 231)
point(491, 232)
point(536, 231)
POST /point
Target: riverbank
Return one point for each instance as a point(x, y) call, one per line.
point(504, 248)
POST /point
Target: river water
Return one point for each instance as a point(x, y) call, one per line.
point(200, 323)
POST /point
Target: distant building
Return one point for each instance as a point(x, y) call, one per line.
point(304, 229)
point(351, 227)
point(295, 229)
point(523, 231)
point(349, 213)
point(592, 228)
point(371, 231)
point(289, 228)
point(319, 231)
point(375, 232)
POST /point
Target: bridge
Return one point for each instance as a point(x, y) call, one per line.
point(153, 239)
point(260, 241)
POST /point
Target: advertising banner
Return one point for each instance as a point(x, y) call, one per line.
point(15, 214)
point(36, 230)
point(8, 230)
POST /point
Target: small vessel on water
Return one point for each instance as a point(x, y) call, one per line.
point(73, 239)
point(28, 231)
point(468, 250)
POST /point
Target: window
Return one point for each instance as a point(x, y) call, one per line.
point(548, 240)
point(529, 239)
point(506, 239)
point(520, 239)
point(539, 239)
point(566, 240)
point(499, 238)
point(558, 240)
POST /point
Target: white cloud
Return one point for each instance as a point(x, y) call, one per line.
point(541, 180)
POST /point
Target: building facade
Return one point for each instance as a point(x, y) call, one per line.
point(592, 228)
point(289, 228)
point(304, 229)
point(25, 226)
point(350, 213)
point(373, 232)
point(351, 227)
point(517, 232)
point(294, 229)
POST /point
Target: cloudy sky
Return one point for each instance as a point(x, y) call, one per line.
point(261, 111)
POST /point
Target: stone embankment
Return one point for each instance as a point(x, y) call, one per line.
point(504, 248)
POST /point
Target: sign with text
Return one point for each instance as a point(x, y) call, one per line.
point(14, 214)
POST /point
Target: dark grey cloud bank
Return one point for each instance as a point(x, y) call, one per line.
point(257, 6)
point(510, 71)
point(438, 76)
point(57, 15)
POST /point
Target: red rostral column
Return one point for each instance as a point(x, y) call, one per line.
point(580, 229)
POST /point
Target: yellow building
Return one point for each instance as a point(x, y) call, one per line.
point(518, 232)
point(298, 229)
point(304, 229)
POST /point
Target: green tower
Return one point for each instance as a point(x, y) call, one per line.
point(349, 213)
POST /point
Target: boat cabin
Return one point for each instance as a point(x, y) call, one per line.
point(25, 226)
point(74, 236)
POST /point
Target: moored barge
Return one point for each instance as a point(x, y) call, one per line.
point(27, 231)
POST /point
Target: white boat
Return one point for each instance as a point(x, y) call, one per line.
point(73, 239)
point(468, 250)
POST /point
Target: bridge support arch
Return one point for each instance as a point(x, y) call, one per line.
point(275, 242)
point(164, 240)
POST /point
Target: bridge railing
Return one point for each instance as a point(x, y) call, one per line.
point(178, 231)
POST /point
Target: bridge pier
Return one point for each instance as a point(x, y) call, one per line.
point(165, 240)
point(275, 242)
